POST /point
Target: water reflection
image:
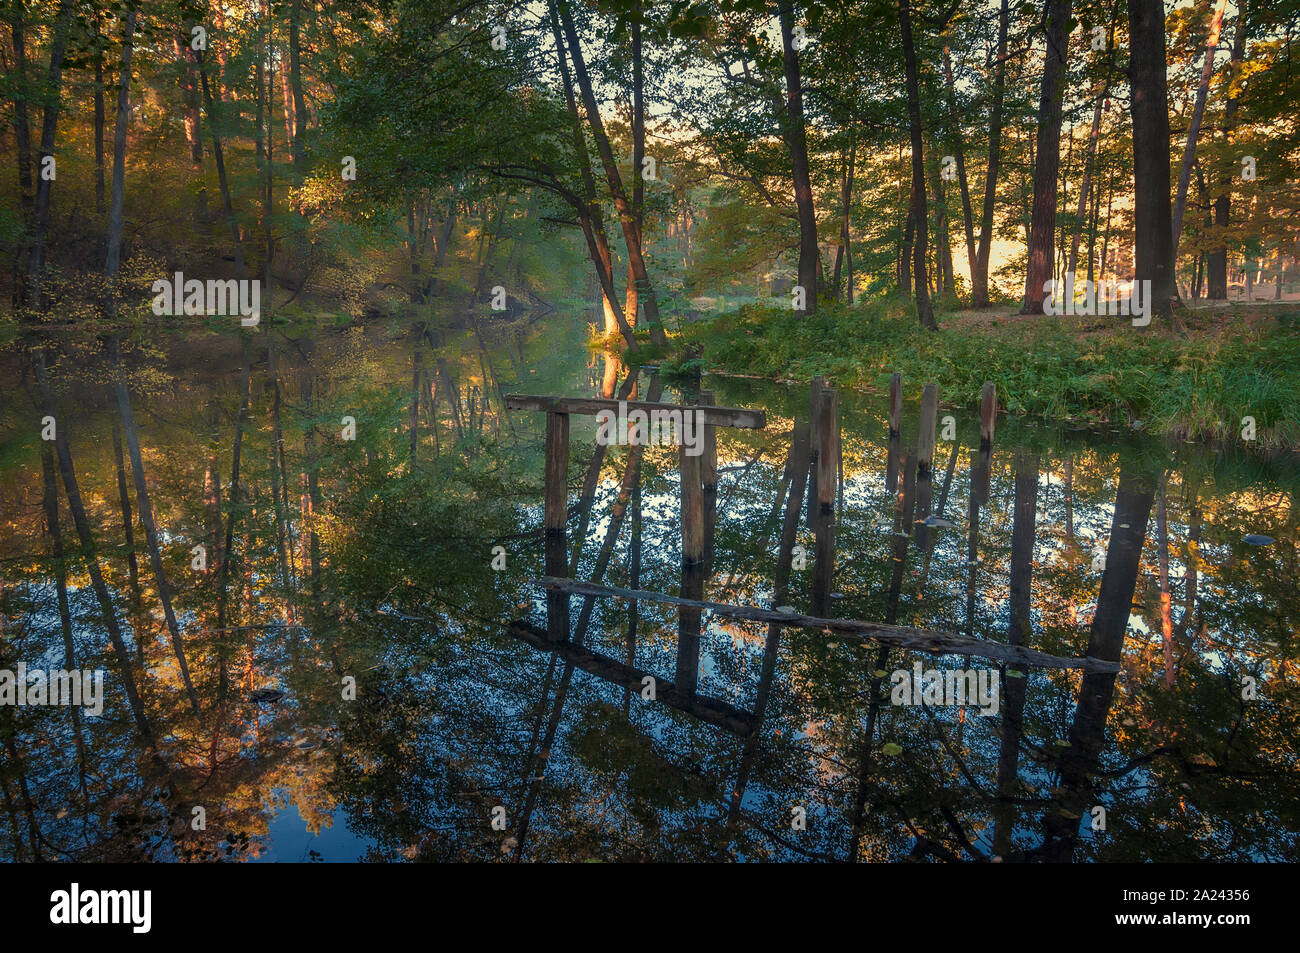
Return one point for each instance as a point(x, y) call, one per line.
point(401, 558)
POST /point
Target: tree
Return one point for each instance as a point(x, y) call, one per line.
point(1153, 247)
point(1047, 158)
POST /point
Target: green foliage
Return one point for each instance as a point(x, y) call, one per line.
point(1193, 387)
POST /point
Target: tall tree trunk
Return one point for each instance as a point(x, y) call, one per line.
point(99, 119)
point(1198, 111)
point(49, 126)
point(1047, 161)
point(1086, 186)
point(1216, 261)
point(980, 276)
point(797, 143)
point(218, 157)
point(295, 87)
point(114, 255)
point(266, 109)
point(627, 217)
point(943, 244)
point(954, 122)
point(591, 217)
point(1152, 217)
point(22, 125)
point(844, 252)
point(631, 298)
point(924, 309)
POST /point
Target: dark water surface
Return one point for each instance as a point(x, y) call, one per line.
point(330, 562)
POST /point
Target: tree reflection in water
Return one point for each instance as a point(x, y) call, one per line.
point(330, 559)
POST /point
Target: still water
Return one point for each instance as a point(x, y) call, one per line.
point(305, 560)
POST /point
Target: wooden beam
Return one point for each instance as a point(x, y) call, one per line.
point(590, 406)
point(924, 640)
point(712, 710)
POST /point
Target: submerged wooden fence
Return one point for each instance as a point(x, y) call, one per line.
point(815, 462)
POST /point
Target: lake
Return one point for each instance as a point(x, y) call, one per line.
point(327, 641)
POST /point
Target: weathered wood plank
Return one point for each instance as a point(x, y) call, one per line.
point(712, 710)
point(590, 406)
point(925, 640)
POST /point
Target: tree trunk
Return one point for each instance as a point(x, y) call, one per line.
point(1090, 162)
point(954, 122)
point(924, 310)
point(980, 276)
point(22, 126)
point(591, 217)
point(223, 181)
point(1042, 229)
point(627, 217)
point(943, 244)
point(844, 253)
point(1152, 217)
point(1216, 261)
point(49, 126)
point(119, 168)
point(796, 141)
point(99, 120)
point(295, 86)
point(1198, 111)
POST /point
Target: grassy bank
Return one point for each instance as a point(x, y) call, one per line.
point(1196, 384)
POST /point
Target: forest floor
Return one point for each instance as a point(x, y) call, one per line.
point(1222, 365)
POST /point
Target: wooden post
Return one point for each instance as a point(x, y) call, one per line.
point(688, 618)
point(896, 405)
point(925, 459)
point(828, 418)
point(814, 429)
point(555, 518)
point(988, 411)
point(894, 455)
point(709, 473)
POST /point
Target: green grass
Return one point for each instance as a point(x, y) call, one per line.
point(1197, 385)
